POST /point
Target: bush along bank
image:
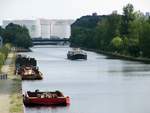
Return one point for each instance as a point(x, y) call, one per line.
point(4, 53)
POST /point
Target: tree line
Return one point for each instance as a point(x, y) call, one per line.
point(16, 35)
point(127, 34)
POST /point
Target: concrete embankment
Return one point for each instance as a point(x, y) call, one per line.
point(10, 94)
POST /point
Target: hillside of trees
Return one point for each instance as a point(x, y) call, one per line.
point(126, 34)
point(16, 35)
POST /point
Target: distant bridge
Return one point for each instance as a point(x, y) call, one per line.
point(49, 41)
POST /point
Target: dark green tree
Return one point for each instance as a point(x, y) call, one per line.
point(145, 39)
point(17, 35)
point(1, 31)
point(107, 29)
point(127, 17)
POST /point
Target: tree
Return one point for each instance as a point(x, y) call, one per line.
point(128, 34)
point(1, 31)
point(101, 34)
point(145, 39)
point(2, 58)
point(108, 28)
point(23, 40)
point(83, 31)
point(117, 43)
point(128, 16)
point(135, 28)
point(17, 35)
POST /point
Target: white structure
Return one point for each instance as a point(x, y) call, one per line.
point(45, 28)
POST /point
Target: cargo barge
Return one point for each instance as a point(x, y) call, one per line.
point(22, 60)
point(38, 98)
point(76, 53)
point(30, 73)
point(27, 68)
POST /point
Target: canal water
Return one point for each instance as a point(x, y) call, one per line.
point(97, 85)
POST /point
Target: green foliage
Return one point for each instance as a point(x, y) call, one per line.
point(128, 34)
point(3, 53)
point(17, 35)
point(117, 43)
point(133, 47)
point(23, 40)
point(127, 17)
point(145, 39)
point(106, 30)
point(135, 28)
point(1, 31)
point(84, 37)
point(2, 58)
point(8, 46)
point(87, 21)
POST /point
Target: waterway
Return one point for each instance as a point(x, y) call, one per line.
point(95, 85)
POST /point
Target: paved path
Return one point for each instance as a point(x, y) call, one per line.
point(5, 87)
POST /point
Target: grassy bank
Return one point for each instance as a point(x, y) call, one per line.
point(120, 56)
point(16, 104)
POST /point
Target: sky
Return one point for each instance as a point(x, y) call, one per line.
point(64, 9)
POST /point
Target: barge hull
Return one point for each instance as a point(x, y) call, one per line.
point(77, 56)
point(47, 102)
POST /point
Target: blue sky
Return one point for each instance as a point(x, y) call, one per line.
point(64, 9)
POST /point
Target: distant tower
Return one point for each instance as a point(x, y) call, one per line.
point(94, 14)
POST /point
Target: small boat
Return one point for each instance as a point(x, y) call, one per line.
point(76, 53)
point(45, 98)
point(30, 73)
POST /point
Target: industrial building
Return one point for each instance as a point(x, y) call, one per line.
point(45, 28)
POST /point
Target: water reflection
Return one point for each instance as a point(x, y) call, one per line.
point(47, 109)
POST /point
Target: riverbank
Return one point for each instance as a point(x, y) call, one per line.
point(11, 92)
point(119, 56)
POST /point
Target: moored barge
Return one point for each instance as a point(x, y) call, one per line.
point(30, 73)
point(45, 98)
point(27, 68)
point(22, 60)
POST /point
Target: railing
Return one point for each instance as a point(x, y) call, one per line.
point(45, 41)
